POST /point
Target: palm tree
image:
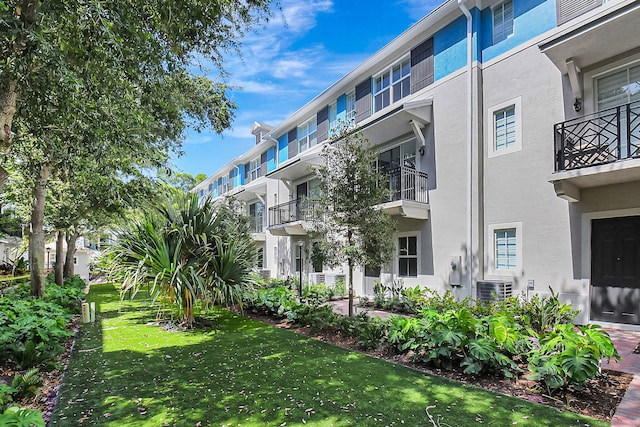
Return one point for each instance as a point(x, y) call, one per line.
point(186, 251)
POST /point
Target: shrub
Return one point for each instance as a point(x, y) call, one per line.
point(17, 417)
point(6, 395)
point(568, 356)
point(27, 384)
point(31, 331)
point(278, 302)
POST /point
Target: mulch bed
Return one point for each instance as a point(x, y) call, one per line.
point(51, 379)
point(598, 399)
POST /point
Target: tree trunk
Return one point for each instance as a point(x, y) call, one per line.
point(36, 240)
point(59, 252)
point(349, 237)
point(9, 87)
point(69, 265)
point(350, 288)
point(8, 97)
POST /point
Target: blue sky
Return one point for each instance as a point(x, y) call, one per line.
point(305, 48)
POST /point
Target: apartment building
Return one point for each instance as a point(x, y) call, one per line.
point(510, 131)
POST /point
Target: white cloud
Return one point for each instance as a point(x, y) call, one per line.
point(199, 138)
point(419, 8)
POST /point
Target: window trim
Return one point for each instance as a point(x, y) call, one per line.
point(389, 70)
point(491, 126)
point(418, 256)
point(305, 125)
point(493, 21)
point(491, 249)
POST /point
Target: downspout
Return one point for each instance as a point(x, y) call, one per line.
point(467, 14)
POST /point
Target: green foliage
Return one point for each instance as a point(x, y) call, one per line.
point(27, 384)
point(31, 331)
point(185, 251)
point(567, 355)
point(21, 417)
point(6, 395)
point(279, 302)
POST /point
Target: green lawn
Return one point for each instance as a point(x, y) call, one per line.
point(128, 372)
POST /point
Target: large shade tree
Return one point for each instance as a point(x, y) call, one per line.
point(110, 80)
point(186, 251)
point(352, 229)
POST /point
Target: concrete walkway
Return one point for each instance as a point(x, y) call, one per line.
point(628, 412)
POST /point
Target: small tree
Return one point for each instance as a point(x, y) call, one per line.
point(352, 228)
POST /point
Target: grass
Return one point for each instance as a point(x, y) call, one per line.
point(127, 371)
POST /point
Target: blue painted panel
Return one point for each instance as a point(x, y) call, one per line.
point(283, 148)
point(341, 107)
point(450, 48)
point(271, 159)
point(240, 174)
point(530, 19)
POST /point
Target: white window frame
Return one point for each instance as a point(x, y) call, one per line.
point(254, 169)
point(591, 77)
point(309, 130)
point(502, 34)
point(350, 108)
point(333, 119)
point(491, 249)
point(418, 256)
point(388, 72)
point(492, 151)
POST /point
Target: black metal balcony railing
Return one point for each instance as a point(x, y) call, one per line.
point(295, 210)
point(599, 138)
point(406, 183)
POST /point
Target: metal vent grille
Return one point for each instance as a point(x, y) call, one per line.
point(569, 9)
point(494, 290)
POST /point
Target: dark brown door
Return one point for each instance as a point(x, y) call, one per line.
point(615, 270)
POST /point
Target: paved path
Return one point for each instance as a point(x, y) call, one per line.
point(628, 412)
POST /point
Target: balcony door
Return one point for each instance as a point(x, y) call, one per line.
point(620, 128)
point(615, 270)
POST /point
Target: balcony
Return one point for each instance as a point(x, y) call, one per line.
point(292, 218)
point(597, 149)
point(408, 195)
point(257, 228)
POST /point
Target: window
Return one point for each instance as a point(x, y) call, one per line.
point(408, 256)
point(391, 85)
point(351, 107)
point(502, 21)
point(621, 87)
point(254, 168)
point(401, 155)
point(504, 122)
point(256, 217)
point(506, 249)
point(307, 135)
point(260, 258)
point(333, 119)
point(505, 128)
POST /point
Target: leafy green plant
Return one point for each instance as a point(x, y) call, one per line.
point(27, 384)
point(6, 395)
point(21, 417)
point(568, 356)
point(31, 330)
point(371, 332)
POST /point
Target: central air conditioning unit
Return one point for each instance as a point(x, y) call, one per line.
point(265, 274)
point(327, 279)
point(494, 290)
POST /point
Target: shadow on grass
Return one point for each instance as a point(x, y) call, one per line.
point(252, 374)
